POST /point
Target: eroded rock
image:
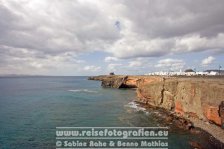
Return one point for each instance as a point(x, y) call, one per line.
point(221, 113)
point(212, 113)
point(195, 145)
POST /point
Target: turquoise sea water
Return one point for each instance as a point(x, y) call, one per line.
point(32, 107)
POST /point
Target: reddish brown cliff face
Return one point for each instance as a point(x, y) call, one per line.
point(179, 108)
point(212, 113)
point(194, 97)
point(221, 113)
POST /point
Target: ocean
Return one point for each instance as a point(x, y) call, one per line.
point(32, 107)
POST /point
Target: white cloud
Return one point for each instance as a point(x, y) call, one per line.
point(113, 67)
point(171, 64)
point(110, 59)
point(92, 68)
point(134, 46)
point(208, 60)
point(135, 64)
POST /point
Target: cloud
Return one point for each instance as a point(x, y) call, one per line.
point(19, 60)
point(36, 32)
point(92, 68)
point(54, 27)
point(171, 64)
point(135, 64)
point(175, 18)
point(113, 67)
point(110, 59)
point(40, 33)
point(171, 28)
point(208, 60)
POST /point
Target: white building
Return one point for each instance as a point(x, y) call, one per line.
point(188, 72)
point(213, 73)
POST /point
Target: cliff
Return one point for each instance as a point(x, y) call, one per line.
point(197, 97)
point(191, 97)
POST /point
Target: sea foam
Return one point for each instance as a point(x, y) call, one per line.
point(135, 106)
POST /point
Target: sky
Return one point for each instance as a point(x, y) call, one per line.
point(93, 37)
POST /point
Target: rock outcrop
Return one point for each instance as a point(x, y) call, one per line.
point(117, 81)
point(221, 113)
point(197, 97)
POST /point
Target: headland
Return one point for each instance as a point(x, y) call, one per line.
point(196, 101)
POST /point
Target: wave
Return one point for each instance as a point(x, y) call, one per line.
point(136, 106)
point(83, 90)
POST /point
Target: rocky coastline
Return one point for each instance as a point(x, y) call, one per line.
point(190, 101)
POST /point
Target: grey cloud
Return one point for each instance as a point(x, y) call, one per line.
point(55, 26)
point(165, 19)
point(156, 28)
